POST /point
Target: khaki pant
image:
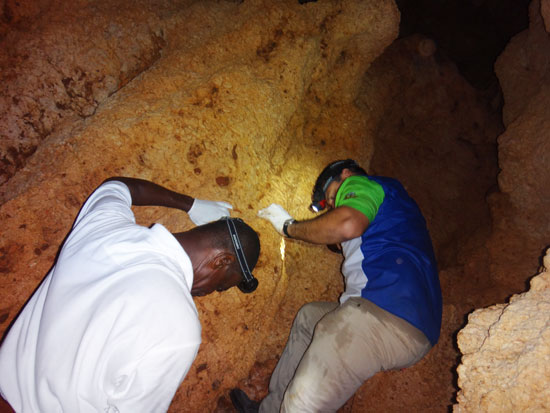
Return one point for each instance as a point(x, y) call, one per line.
point(332, 349)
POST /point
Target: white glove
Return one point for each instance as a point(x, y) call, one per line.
point(275, 214)
point(203, 212)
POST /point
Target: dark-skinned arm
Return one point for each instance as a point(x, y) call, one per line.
point(335, 226)
point(200, 211)
point(146, 193)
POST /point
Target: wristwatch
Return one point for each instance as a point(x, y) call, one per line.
point(285, 226)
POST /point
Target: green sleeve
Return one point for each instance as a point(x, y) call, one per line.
point(362, 194)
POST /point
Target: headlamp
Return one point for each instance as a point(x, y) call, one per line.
point(319, 202)
point(318, 206)
point(249, 283)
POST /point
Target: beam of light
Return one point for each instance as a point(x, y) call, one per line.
point(282, 249)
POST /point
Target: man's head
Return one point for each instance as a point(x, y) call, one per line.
point(329, 181)
point(223, 254)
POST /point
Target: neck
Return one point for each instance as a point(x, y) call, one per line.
point(192, 243)
point(185, 241)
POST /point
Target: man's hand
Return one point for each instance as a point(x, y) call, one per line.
point(203, 212)
point(275, 214)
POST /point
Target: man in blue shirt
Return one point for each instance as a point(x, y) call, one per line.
point(389, 315)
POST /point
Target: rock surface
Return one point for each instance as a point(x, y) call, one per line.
point(520, 209)
point(54, 70)
point(506, 354)
point(506, 347)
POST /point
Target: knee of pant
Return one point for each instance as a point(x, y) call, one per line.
point(335, 322)
point(305, 310)
point(304, 318)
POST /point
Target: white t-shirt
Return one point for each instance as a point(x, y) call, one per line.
point(113, 326)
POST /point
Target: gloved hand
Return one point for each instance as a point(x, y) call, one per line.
point(275, 214)
point(203, 212)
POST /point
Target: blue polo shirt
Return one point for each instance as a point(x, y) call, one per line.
point(392, 264)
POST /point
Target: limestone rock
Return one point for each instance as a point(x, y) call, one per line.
point(522, 68)
point(55, 69)
point(505, 347)
point(506, 354)
point(520, 209)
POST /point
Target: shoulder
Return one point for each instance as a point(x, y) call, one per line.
point(361, 193)
point(360, 185)
point(109, 196)
point(110, 191)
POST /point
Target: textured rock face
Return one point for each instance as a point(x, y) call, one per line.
point(220, 100)
point(54, 69)
point(506, 347)
point(506, 354)
point(520, 210)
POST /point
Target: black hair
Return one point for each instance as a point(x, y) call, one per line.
point(331, 171)
point(249, 239)
point(219, 237)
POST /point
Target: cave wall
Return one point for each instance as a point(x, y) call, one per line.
point(504, 364)
point(521, 224)
point(56, 70)
point(219, 99)
point(472, 34)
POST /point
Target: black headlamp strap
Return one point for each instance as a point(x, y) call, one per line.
point(239, 250)
point(349, 162)
point(328, 182)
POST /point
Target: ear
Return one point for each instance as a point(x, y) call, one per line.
point(346, 173)
point(223, 259)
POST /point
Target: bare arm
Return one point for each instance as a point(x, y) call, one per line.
point(336, 226)
point(146, 193)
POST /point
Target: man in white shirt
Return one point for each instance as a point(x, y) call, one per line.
point(113, 326)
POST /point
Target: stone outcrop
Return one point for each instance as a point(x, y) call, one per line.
point(505, 347)
point(506, 353)
point(53, 69)
point(520, 210)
